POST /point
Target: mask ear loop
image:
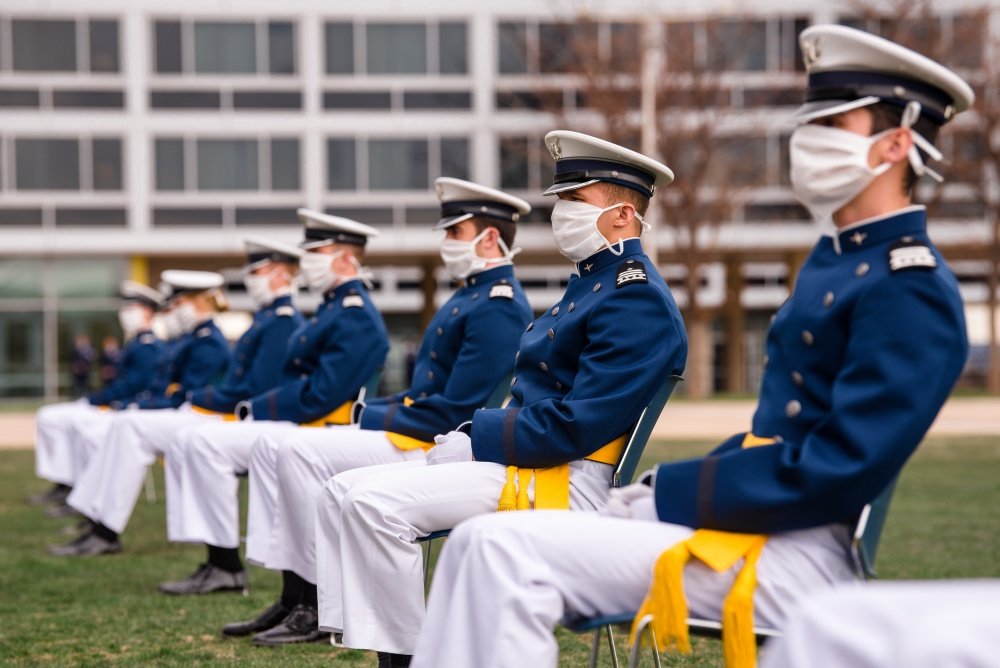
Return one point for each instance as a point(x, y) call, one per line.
point(365, 275)
point(910, 116)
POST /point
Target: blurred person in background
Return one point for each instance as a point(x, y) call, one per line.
point(108, 362)
point(81, 359)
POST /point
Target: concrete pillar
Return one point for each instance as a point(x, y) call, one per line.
point(735, 323)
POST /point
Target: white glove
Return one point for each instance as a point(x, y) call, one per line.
point(451, 448)
point(243, 411)
point(634, 502)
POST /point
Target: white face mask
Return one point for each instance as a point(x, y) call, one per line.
point(829, 168)
point(259, 287)
point(574, 225)
point(317, 271)
point(187, 317)
point(171, 328)
point(132, 320)
point(461, 260)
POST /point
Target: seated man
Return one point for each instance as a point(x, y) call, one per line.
point(860, 360)
point(467, 351)
point(135, 372)
point(107, 489)
point(328, 361)
point(919, 624)
point(583, 374)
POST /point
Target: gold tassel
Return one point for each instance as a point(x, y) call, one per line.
point(739, 645)
point(508, 496)
point(666, 603)
point(523, 481)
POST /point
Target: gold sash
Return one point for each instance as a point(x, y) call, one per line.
point(720, 551)
point(552, 483)
point(340, 415)
point(226, 417)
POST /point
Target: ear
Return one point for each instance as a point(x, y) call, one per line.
point(489, 242)
point(896, 146)
point(626, 215)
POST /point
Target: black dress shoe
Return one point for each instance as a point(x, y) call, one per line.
point(54, 494)
point(389, 660)
point(207, 579)
point(300, 626)
point(266, 620)
point(87, 545)
point(61, 511)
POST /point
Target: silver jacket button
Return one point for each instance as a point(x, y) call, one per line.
point(793, 408)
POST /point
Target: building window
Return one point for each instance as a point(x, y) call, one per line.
point(394, 163)
point(224, 47)
point(739, 46)
point(525, 164)
point(562, 48)
point(381, 48)
point(63, 45)
point(226, 164)
point(67, 163)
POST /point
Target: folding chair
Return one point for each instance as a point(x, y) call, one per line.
point(864, 545)
point(624, 469)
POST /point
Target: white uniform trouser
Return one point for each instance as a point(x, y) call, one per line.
point(108, 488)
point(53, 445)
point(504, 581)
point(306, 459)
point(204, 506)
point(88, 433)
point(913, 624)
point(370, 570)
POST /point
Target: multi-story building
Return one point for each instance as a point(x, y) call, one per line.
point(137, 136)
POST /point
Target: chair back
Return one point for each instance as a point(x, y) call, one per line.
point(499, 395)
point(868, 531)
point(625, 469)
point(370, 388)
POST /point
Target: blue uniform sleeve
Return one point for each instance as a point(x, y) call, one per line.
point(135, 374)
point(486, 357)
point(205, 361)
point(908, 346)
point(264, 373)
point(350, 357)
point(633, 343)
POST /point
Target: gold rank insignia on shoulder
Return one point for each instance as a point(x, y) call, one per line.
point(353, 301)
point(502, 291)
point(910, 254)
point(284, 311)
point(631, 271)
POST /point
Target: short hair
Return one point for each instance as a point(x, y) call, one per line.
point(616, 193)
point(886, 117)
point(507, 229)
point(358, 252)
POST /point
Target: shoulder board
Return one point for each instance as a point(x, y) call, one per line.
point(147, 338)
point(907, 253)
point(284, 311)
point(631, 271)
point(203, 332)
point(352, 301)
point(502, 291)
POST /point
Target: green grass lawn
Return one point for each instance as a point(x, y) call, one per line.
point(943, 524)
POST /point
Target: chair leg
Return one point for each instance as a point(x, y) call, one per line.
point(427, 544)
point(595, 647)
point(150, 486)
point(645, 625)
point(611, 643)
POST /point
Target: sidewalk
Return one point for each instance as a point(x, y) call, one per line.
point(682, 420)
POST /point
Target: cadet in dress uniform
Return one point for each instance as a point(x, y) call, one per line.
point(107, 489)
point(328, 361)
point(467, 352)
point(584, 371)
point(859, 361)
point(134, 373)
point(924, 624)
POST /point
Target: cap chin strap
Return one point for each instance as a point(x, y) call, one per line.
point(910, 116)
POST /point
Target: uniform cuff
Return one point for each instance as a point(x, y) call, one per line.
point(488, 435)
point(677, 492)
